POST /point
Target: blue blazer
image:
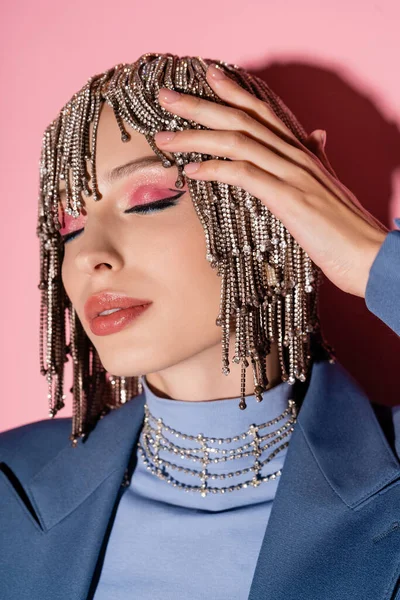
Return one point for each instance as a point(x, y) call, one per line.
point(334, 528)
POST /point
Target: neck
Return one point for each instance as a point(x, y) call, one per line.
point(200, 378)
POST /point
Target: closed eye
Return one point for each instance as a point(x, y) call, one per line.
point(142, 209)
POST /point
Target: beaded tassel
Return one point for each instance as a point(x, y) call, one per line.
point(269, 285)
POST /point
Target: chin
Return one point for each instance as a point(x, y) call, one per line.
point(120, 368)
point(132, 364)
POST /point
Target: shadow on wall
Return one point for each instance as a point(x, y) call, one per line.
point(363, 148)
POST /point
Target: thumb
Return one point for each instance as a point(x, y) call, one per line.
point(316, 141)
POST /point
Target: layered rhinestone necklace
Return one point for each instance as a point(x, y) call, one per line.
point(213, 450)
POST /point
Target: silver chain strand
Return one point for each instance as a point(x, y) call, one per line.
point(152, 441)
point(269, 285)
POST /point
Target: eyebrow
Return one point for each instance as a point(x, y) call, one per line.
point(133, 166)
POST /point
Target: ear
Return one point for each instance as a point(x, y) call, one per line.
point(316, 143)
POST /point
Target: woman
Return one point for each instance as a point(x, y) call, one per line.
point(167, 488)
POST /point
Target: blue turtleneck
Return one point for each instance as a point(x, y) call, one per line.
point(172, 544)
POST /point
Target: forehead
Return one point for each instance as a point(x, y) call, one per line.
point(112, 154)
point(110, 150)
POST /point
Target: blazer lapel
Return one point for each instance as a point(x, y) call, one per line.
point(334, 527)
point(73, 498)
point(75, 473)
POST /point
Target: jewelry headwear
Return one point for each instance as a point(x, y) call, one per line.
point(269, 285)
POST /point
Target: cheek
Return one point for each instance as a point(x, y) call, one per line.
point(68, 278)
point(73, 289)
point(191, 283)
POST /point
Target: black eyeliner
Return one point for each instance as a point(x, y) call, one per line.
point(163, 203)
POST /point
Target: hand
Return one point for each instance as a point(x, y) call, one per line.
point(295, 181)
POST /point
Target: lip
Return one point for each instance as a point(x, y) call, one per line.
point(104, 325)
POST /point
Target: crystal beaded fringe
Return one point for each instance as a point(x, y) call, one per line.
point(269, 284)
point(154, 441)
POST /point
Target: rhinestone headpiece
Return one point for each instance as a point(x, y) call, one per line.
point(269, 285)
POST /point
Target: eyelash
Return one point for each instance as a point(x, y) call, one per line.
point(144, 209)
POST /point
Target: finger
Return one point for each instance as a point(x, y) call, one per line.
point(216, 116)
point(229, 91)
point(238, 146)
point(282, 199)
point(233, 93)
point(318, 147)
point(316, 144)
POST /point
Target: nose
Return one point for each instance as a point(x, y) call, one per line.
point(91, 262)
point(97, 254)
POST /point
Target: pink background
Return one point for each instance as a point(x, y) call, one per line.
point(336, 66)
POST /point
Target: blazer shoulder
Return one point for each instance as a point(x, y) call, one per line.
point(27, 448)
point(383, 285)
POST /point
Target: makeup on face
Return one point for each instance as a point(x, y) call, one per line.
point(149, 194)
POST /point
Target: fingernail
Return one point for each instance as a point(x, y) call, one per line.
point(169, 96)
point(216, 72)
point(164, 136)
point(192, 167)
point(323, 138)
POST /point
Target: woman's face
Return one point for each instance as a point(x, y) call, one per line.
point(158, 256)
